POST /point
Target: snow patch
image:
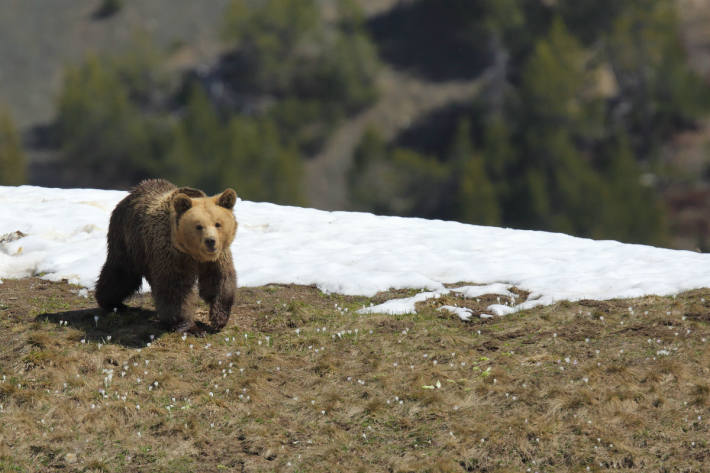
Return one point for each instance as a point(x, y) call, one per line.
point(401, 306)
point(64, 237)
point(463, 312)
point(500, 309)
point(472, 292)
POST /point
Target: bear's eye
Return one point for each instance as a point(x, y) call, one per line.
point(217, 224)
point(199, 227)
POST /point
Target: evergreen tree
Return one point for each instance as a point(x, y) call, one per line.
point(245, 153)
point(555, 86)
point(634, 212)
point(103, 135)
point(574, 187)
point(143, 71)
point(259, 164)
point(397, 182)
point(557, 116)
point(659, 93)
point(199, 141)
point(12, 158)
point(286, 49)
point(475, 199)
point(502, 165)
point(278, 40)
point(369, 178)
point(419, 184)
point(476, 195)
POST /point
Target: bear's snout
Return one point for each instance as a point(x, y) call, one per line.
point(210, 243)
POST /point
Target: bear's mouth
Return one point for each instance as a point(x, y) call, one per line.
point(207, 256)
point(210, 254)
point(210, 246)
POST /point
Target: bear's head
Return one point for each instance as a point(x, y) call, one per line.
point(203, 227)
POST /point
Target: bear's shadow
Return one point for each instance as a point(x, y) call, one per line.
point(131, 327)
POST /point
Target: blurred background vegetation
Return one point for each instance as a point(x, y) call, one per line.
point(589, 117)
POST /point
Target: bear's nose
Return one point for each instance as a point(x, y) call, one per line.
point(210, 243)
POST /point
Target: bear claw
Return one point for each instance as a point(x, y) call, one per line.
point(192, 328)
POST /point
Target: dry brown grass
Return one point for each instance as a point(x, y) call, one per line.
point(300, 382)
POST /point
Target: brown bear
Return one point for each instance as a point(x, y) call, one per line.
point(173, 237)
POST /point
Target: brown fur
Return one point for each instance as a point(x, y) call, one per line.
point(173, 237)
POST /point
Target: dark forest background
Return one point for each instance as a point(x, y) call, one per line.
point(588, 117)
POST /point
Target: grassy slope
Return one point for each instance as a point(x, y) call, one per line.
point(299, 382)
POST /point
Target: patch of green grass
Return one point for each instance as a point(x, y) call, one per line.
point(8, 465)
point(50, 304)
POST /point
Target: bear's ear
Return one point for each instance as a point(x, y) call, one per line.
point(181, 203)
point(227, 199)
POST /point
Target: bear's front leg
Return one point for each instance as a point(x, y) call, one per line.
point(218, 283)
point(174, 301)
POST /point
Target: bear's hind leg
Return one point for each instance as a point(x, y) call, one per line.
point(115, 284)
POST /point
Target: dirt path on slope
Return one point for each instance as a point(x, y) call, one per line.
point(403, 100)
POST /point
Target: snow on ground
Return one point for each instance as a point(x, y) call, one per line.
point(463, 312)
point(355, 253)
point(404, 305)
